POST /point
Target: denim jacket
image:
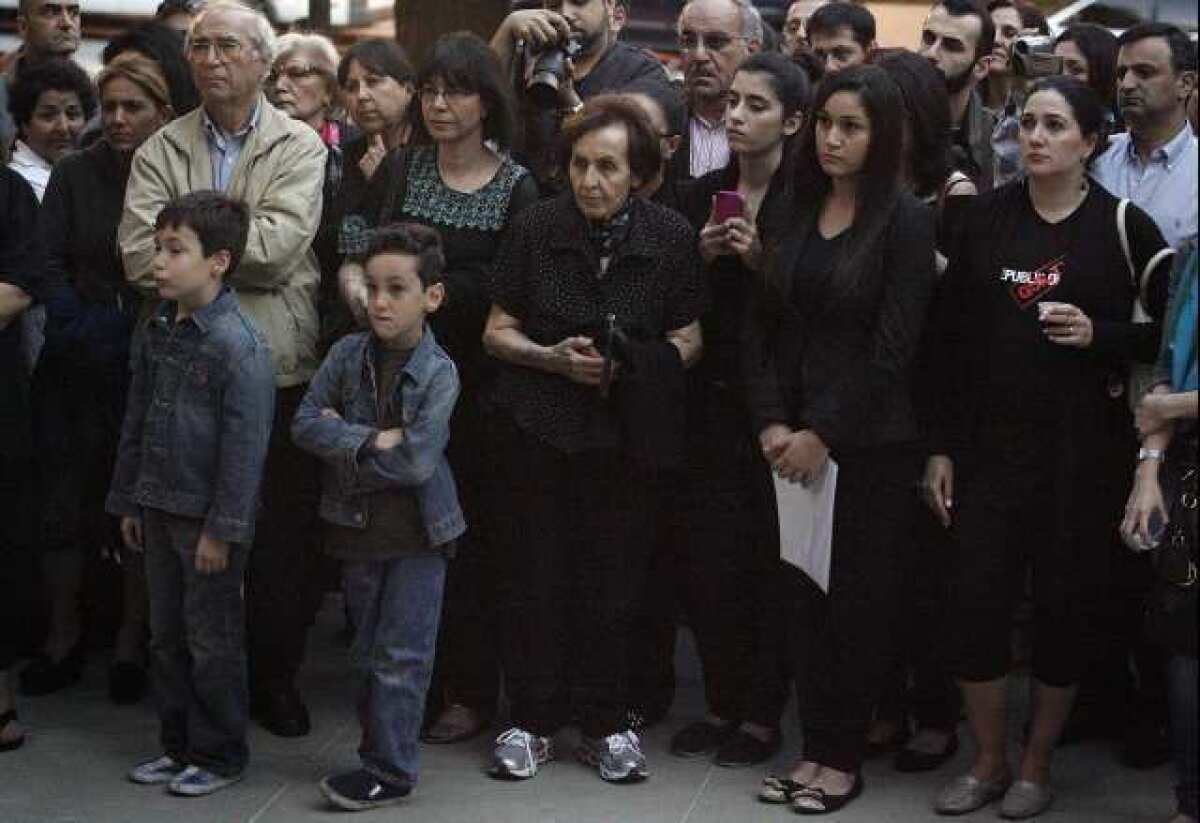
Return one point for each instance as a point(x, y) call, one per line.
point(198, 419)
point(346, 383)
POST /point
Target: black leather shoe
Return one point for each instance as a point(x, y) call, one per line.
point(910, 760)
point(1146, 746)
point(126, 683)
point(744, 749)
point(46, 676)
point(283, 714)
point(700, 739)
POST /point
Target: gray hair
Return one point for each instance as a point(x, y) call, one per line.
point(752, 22)
point(262, 34)
point(316, 47)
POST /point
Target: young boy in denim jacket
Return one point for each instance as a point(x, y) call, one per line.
point(186, 483)
point(378, 415)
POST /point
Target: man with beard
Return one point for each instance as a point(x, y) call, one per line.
point(957, 38)
point(715, 36)
point(602, 64)
point(1154, 164)
point(48, 28)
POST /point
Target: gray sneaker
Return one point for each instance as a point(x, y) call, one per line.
point(1025, 799)
point(518, 754)
point(618, 757)
point(159, 770)
point(966, 793)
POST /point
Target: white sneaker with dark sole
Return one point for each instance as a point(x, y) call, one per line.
point(197, 782)
point(518, 754)
point(618, 757)
point(157, 771)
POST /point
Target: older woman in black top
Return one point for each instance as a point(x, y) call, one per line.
point(81, 378)
point(583, 422)
point(1032, 448)
point(827, 357)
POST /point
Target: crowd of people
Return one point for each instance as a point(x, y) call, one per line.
point(518, 344)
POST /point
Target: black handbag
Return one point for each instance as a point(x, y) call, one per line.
point(1171, 613)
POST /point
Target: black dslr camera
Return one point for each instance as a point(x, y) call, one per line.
point(550, 72)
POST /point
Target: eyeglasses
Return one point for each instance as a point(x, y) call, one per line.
point(49, 11)
point(226, 48)
point(450, 95)
point(293, 71)
point(712, 41)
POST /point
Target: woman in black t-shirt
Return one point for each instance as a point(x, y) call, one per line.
point(1034, 432)
point(827, 350)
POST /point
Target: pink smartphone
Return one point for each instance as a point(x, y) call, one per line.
point(728, 204)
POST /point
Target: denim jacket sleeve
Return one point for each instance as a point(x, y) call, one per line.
point(331, 439)
point(247, 412)
point(414, 460)
point(129, 451)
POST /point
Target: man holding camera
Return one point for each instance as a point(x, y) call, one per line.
point(580, 36)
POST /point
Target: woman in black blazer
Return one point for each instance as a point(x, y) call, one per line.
point(828, 346)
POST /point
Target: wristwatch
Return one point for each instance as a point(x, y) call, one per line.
point(1151, 454)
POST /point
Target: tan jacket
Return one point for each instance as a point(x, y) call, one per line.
point(279, 175)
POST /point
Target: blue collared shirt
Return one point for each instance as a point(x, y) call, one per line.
point(225, 149)
point(1164, 187)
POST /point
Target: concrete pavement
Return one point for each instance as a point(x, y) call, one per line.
point(72, 769)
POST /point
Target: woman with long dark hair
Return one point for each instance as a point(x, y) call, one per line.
point(829, 343)
point(918, 721)
point(1089, 54)
point(717, 552)
point(461, 182)
point(1033, 440)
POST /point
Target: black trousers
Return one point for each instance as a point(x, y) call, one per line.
point(711, 561)
point(285, 580)
point(846, 638)
point(919, 687)
point(1011, 522)
point(572, 552)
point(467, 669)
point(17, 558)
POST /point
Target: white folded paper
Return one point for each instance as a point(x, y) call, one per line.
point(806, 523)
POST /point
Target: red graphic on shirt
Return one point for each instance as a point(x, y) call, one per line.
point(1027, 287)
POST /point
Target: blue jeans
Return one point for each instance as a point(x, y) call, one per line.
point(1185, 730)
point(197, 646)
point(395, 606)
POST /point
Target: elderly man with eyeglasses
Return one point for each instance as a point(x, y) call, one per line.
point(48, 28)
point(238, 143)
point(715, 36)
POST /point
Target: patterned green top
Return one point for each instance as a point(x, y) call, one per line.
point(428, 198)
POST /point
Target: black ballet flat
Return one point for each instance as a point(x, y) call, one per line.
point(812, 800)
point(45, 676)
point(10, 745)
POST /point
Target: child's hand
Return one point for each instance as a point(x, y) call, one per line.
point(330, 414)
point(388, 439)
point(131, 533)
point(212, 555)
